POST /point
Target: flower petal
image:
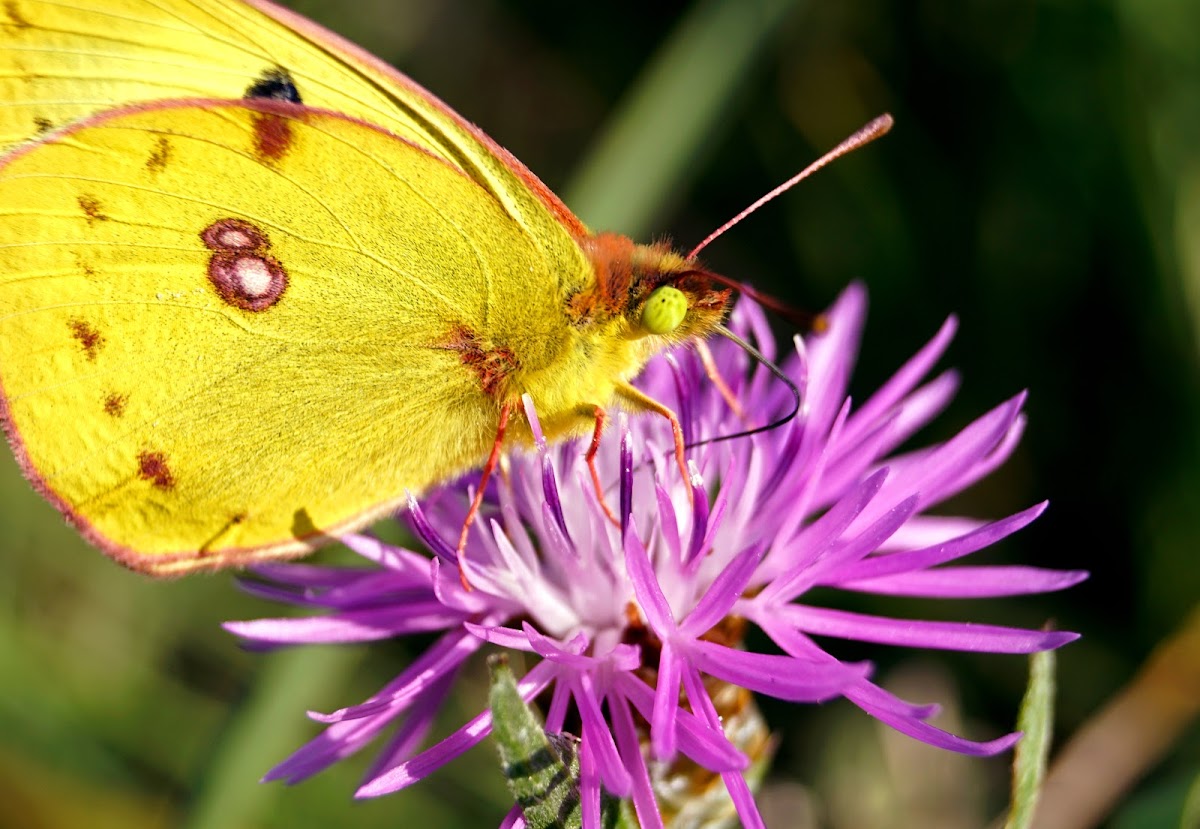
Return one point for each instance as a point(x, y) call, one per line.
point(417, 768)
point(968, 582)
point(902, 382)
point(610, 765)
point(935, 736)
point(414, 729)
point(959, 636)
point(631, 754)
point(714, 605)
point(644, 579)
point(778, 676)
point(352, 626)
point(940, 553)
point(735, 783)
point(666, 705)
point(447, 654)
point(698, 741)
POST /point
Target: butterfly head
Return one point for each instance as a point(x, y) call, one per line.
point(652, 291)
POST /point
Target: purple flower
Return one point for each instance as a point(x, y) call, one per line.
point(624, 619)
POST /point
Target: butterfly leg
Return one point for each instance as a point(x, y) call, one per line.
point(488, 467)
point(710, 369)
point(637, 400)
point(601, 423)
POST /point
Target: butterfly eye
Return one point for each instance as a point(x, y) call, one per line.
point(664, 310)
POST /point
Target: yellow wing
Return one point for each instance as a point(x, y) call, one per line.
point(62, 60)
point(203, 305)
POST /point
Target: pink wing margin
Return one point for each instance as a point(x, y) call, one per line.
point(354, 54)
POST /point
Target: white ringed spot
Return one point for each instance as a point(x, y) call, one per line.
point(244, 274)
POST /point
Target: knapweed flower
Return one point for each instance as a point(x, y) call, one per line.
point(635, 626)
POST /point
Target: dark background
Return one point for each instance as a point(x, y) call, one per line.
point(1042, 182)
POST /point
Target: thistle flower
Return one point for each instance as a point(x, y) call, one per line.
point(647, 620)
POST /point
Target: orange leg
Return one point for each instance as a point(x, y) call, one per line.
point(638, 400)
point(710, 368)
point(601, 423)
point(492, 460)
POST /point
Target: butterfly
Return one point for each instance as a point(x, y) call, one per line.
point(257, 287)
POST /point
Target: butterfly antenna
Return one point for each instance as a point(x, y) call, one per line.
point(798, 399)
point(806, 320)
point(866, 135)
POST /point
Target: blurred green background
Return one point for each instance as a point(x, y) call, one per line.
point(1042, 182)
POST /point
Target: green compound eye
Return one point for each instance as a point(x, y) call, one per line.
point(664, 310)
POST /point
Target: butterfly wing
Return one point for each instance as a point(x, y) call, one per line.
point(103, 239)
point(227, 328)
point(60, 62)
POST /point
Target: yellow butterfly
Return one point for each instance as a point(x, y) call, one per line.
point(255, 284)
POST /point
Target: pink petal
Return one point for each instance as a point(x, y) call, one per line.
point(935, 736)
point(782, 677)
point(631, 754)
point(646, 588)
point(735, 783)
point(940, 553)
point(417, 768)
point(902, 382)
point(703, 744)
point(596, 732)
point(666, 705)
point(961, 636)
point(349, 626)
point(714, 605)
point(970, 582)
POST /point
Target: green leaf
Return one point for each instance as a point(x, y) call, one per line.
point(1191, 806)
point(542, 769)
point(1036, 722)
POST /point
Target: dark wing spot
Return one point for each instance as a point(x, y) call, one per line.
point(251, 281)
point(88, 337)
point(42, 125)
point(114, 404)
point(491, 364)
point(160, 156)
point(13, 12)
point(84, 266)
point(274, 84)
point(272, 136)
point(234, 234)
point(241, 268)
point(152, 467)
point(91, 209)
